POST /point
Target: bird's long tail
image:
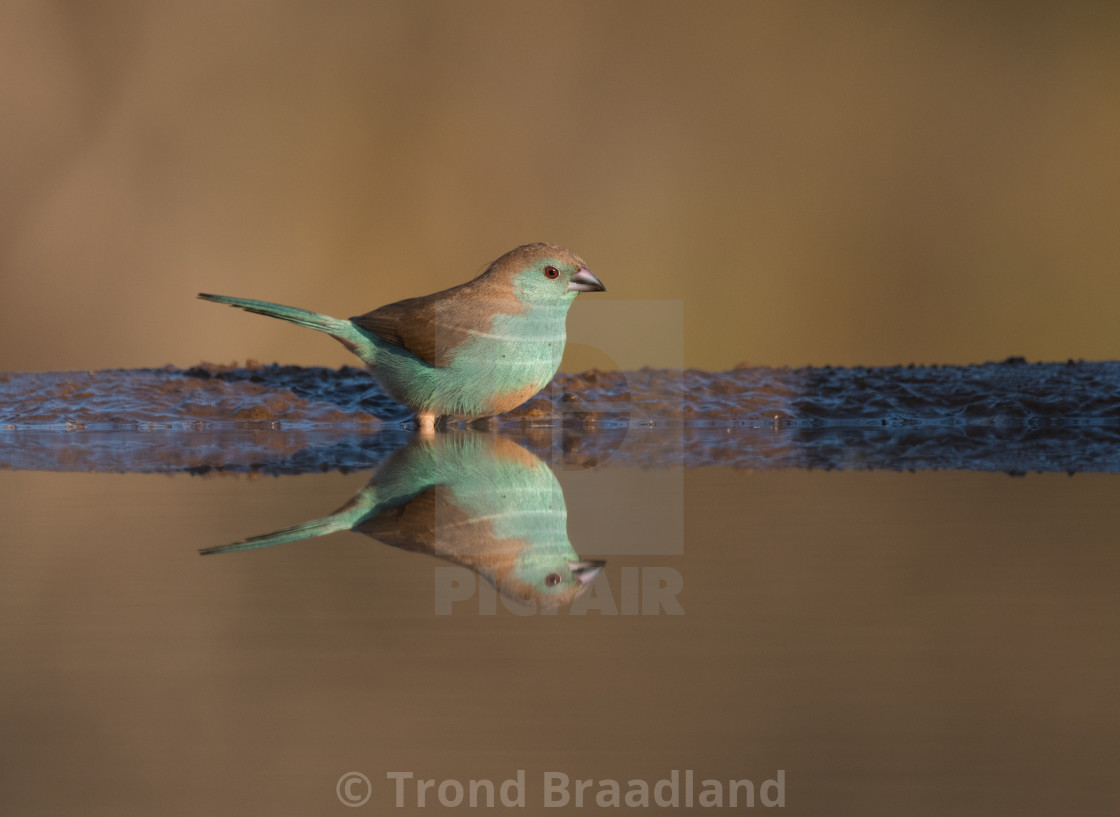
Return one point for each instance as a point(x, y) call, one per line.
point(305, 530)
point(343, 330)
point(345, 518)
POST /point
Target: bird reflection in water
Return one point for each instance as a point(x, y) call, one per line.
point(474, 499)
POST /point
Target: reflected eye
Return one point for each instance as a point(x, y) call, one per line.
point(552, 579)
point(551, 272)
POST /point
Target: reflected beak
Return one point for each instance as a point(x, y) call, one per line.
point(587, 570)
point(585, 281)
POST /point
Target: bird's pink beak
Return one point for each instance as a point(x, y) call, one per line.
point(586, 570)
point(585, 281)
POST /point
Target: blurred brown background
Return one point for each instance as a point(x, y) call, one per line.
point(817, 182)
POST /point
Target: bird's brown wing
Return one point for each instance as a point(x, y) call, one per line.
point(410, 324)
point(434, 326)
point(410, 526)
point(432, 522)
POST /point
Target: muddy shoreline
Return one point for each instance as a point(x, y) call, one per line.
point(1013, 416)
point(273, 396)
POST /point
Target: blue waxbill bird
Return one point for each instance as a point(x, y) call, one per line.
point(478, 349)
point(473, 499)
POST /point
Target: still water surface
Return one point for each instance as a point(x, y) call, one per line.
point(929, 642)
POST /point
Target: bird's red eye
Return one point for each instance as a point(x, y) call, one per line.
point(552, 579)
point(552, 272)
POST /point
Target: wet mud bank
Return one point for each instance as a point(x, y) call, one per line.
point(1011, 416)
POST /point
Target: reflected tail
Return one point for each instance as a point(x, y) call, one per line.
point(296, 533)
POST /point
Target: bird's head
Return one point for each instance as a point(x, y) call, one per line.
point(544, 274)
point(549, 582)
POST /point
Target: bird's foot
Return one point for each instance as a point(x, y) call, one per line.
point(426, 424)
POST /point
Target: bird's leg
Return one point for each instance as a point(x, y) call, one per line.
point(426, 424)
